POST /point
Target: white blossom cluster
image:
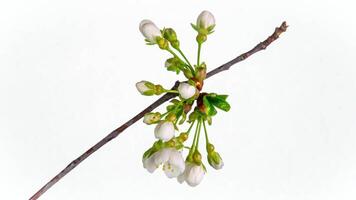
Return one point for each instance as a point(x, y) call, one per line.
point(167, 150)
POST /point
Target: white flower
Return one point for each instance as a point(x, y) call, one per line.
point(193, 174)
point(151, 118)
point(143, 88)
point(164, 130)
point(186, 91)
point(172, 160)
point(149, 164)
point(205, 20)
point(149, 30)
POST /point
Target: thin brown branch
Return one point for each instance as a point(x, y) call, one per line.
point(163, 99)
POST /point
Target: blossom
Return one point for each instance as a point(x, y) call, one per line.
point(205, 20)
point(151, 118)
point(186, 90)
point(193, 174)
point(164, 130)
point(149, 30)
point(172, 160)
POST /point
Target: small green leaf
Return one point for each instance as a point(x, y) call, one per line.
point(219, 103)
point(210, 110)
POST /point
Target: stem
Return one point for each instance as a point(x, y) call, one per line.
point(161, 100)
point(198, 59)
point(206, 133)
point(185, 58)
point(191, 126)
point(192, 148)
point(172, 91)
point(164, 114)
point(197, 142)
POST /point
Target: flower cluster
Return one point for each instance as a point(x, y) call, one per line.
point(192, 106)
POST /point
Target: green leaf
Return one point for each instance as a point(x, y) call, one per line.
point(222, 96)
point(210, 110)
point(219, 103)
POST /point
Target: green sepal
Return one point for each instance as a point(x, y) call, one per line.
point(150, 85)
point(210, 29)
point(149, 93)
point(194, 27)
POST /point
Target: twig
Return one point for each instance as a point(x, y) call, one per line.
point(163, 99)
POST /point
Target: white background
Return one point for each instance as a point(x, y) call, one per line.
point(67, 75)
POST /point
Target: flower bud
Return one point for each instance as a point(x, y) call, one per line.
point(171, 117)
point(151, 118)
point(149, 30)
point(201, 38)
point(175, 44)
point(186, 91)
point(145, 88)
point(197, 157)
point(215, 160)
point(171, 143)
point(183, 137)
point(162, 43)
point(169, 34)
point(201, 74)
point(164, 130)
point(159, 89)
point(210, 148)
point(205, 20)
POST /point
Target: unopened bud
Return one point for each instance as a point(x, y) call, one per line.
point(215, 160)
point(171, 117)
point(159, 89)
point(169, 34)
point(162, 43)
point(197, 157)
point(210, 148)
point(151, 118)
point(183, 137)
point(201, 38)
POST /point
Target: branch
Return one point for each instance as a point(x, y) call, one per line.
point(163, 99)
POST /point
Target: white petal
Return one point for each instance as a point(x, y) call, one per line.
point(141, 87)
point(195, 175)
point(171, 171)
point(148, 163)
point(186, 90)
point(149, 30)
point(161, 156)
point(143, 22)
point(177, 160)
point(205, 19)
point(164, 130)
point(181, 178)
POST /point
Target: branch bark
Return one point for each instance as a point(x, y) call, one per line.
point(261, 46)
